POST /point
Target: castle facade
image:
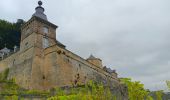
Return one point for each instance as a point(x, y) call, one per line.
point(42, 62)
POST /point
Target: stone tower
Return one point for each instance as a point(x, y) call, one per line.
point(36, 35)
point(38, 31)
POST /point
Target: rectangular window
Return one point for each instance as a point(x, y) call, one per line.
point(45, 42)
point(45, 30)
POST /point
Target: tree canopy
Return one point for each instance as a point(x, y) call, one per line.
point(168, 84)
point(136, 90)
point(10, 34)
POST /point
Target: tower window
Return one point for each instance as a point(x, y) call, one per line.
point(26, 45)
point(45, 30)
point(45, 42)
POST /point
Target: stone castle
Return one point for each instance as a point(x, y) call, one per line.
point(42, 62)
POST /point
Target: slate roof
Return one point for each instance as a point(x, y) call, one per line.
point(92, 57)
point(40, 11)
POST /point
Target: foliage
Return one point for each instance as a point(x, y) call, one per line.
point(14, 97)
point(35, 92)
point(168, 84)
point(9, 34)
point(136, 90)
point(9, 90)
point(91, 91)
point(149, 98)
point(159, 95)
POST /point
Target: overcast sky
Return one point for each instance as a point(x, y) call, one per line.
point(131, 36)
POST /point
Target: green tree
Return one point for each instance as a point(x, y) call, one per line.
point(159, 95)
point(10, 34)
point(168, 84)
point(91, 91)
point(136, 90)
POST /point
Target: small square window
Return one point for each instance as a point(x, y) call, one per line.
point(26, 44)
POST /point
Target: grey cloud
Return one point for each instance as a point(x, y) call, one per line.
point(131, 36)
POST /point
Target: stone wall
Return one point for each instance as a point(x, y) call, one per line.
point(63, 68)
point(34, 67)
point(54, 66)
point(20, 66)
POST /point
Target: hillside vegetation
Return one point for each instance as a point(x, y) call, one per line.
point(9, 90)
point(9, 34)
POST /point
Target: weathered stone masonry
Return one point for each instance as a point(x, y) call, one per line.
point(38, 68)
point(43, 62)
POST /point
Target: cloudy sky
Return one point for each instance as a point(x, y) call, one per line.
point(131, 36)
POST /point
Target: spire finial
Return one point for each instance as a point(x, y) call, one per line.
point(40, 3)
point(40, 11)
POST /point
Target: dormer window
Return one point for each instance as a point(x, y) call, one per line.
point(45, 30)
